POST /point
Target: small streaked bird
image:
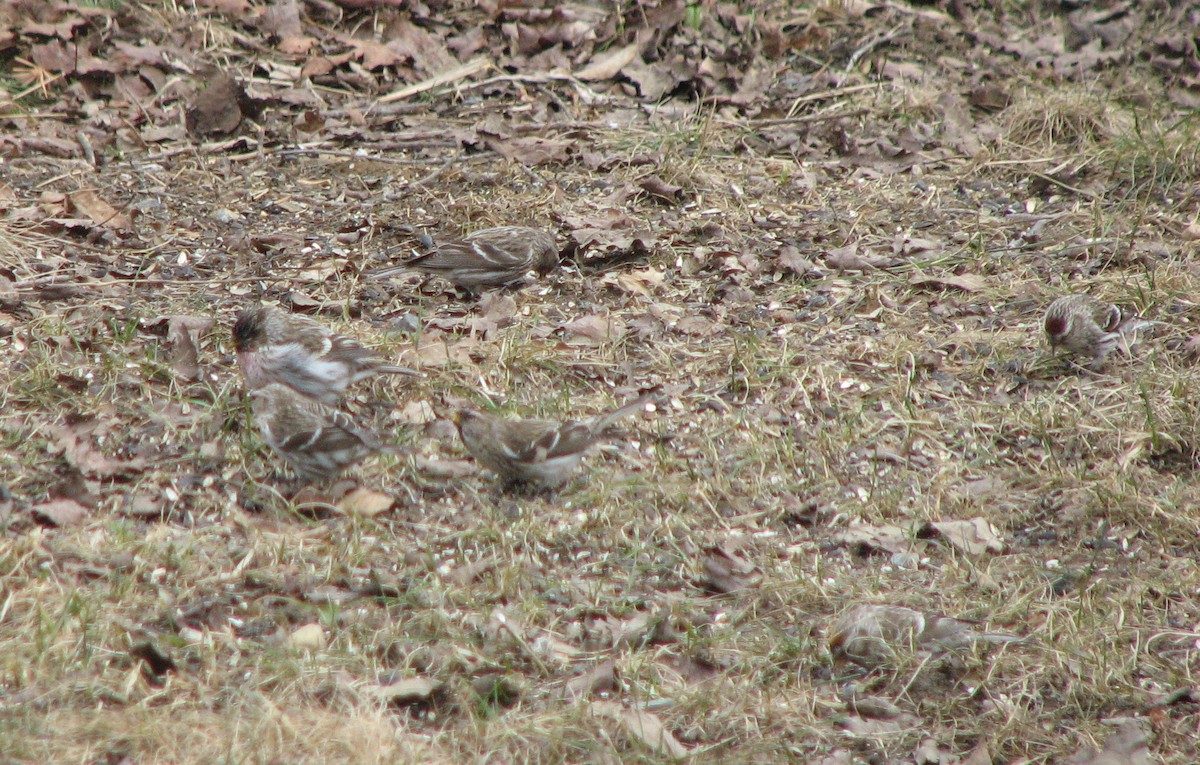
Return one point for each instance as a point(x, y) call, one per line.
point(316, 440)
point(490, 257)
point(540, 454)
point(870, 635)
point(274, 346)
point(1085, 326)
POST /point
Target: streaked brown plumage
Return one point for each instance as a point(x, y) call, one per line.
point(870, 634)
point(274, 346)
point(316, 440)
point(541, 454)
point(1085, 326)
point(490, 257)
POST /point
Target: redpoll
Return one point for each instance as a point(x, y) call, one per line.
point(317, 440)
point(1085, 326)
point(491, 257)
point(278, 347)
point(870, 635)
point(539, 453)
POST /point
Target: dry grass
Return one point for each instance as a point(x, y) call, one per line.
point(798, 408)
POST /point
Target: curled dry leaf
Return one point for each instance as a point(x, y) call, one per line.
point(365, 503)
point(184, 353)
point(660, 189)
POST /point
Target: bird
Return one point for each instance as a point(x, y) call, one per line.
point(539, 454)
point(274, 346)
point(318, 441)
point(871, 634)
point(490, 257)
point(1086, 326)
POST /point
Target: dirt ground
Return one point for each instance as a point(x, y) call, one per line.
point(825, 232)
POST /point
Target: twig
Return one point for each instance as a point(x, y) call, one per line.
point(875, 42)
point(473, 66)
point(827, 94)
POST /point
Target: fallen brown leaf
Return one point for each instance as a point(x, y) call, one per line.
point(99, 212)
point(59, 512)
point(609, 64)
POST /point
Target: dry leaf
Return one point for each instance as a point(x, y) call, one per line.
point(848, 259)
point(792, 260)
point(184, 355)
point(660, 189)
point(308, 637)
point(60, 512)
point(416, 413)
point(99, 212)
point(642, 726)
point(412, 690)
point(974, 537)
point(446, 469)
point(637, 282)
point(597, 329)
point(365, 503)
point(865, 538)
point(609, 64)
point(217, 109)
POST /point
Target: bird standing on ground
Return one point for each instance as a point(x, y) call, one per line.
point(541, 454)
point(490, 257)
point(316, 440)
point(1085, 326)
point(274, 346)
point(870, 634)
